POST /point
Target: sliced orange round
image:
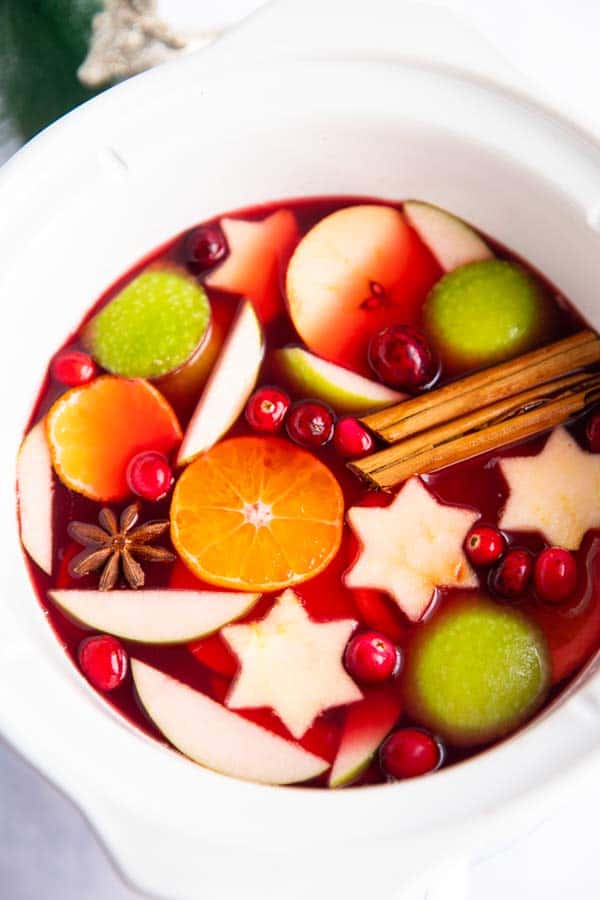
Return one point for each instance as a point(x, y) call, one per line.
point(94, 430)
point(257, 514)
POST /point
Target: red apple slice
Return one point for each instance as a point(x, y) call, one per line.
point(154, 616)
point(228, 388)
point(256, 251)
point(35, 487)
point(367, 724)
point(452, 241)
point(357, 271)
point(217, 738)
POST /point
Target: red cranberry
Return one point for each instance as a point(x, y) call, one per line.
point(555, 575)
point(266, 409)
point(149, 475)
point(310, 423)
point(409, 752)
point(484, 545)
point(103, 661)
point(206, 245)
point(514, 573)
point(73, 367)
point(351, 439)
point(593, 432)
point(402, 358)
point(371, 657)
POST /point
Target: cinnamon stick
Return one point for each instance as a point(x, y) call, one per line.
point(497, 425)
point(486, 387)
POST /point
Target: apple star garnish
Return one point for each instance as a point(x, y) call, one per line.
point(251, 269)
point(412, 547)
point(556, 492)
point(291, 664)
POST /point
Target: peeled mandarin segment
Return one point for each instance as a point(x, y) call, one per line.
point(485, 312)
point(476, 671)
point(152, 326)
point(335, 270)
point(256, 511)
point(93, 431)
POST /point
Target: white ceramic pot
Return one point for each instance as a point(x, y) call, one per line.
point(281, 108)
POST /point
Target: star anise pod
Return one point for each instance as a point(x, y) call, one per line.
point(114, 546)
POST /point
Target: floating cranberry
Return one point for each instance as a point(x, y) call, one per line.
point(593, 432)
point(266, 409)
point(351, 439)
point(401, 357)
point(149, 475)
point(310, 423)
point(103, 661)
point(206, 246)
point(555, 575)
point(513, 573)
point(484, 545)
point(371, 657)
point(410, 752)
point(73, 367)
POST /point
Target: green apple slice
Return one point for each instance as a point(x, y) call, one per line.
point(310, 376)
point(152, 326)
point(486, 312)
point(452, 241)
point(228, 387)
point(217, 738)
point(367, 725)
point(476, 671)
point(35, 488)
point(154, 616)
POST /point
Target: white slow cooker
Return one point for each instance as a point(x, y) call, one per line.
point(420, 108)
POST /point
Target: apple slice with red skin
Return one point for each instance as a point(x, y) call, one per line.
point(230, 384)
point(357, 271)
point(452, 241)
point(154, 616)
point(257, 252)
point(367, 724)
point(209, 734)
point(35, 488)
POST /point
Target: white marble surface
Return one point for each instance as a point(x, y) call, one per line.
point(47, 850)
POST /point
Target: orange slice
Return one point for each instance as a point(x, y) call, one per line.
point(257, 514)
point(94, 430)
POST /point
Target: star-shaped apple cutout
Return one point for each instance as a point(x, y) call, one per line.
point(256, 250)
point(556, 492)
point(291, 664)
point(412, 547)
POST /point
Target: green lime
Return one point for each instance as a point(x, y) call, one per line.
point(484, 313)
point(152, 326)
point(476, 671)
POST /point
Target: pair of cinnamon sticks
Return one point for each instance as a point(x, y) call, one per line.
point(488, 410)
